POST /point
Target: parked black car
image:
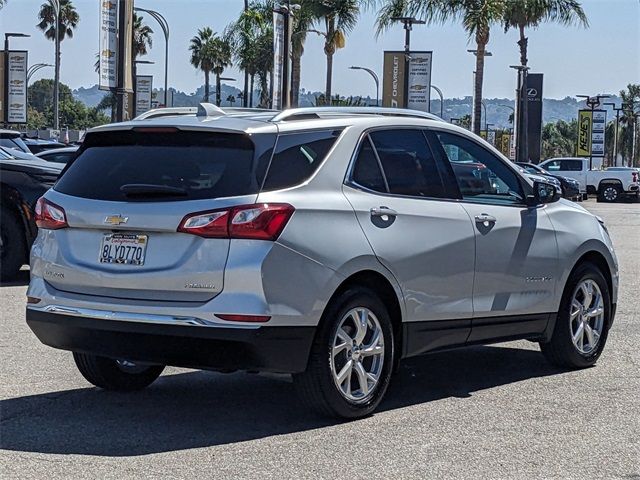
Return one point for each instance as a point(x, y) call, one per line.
point(59, 155)
point(22, 182)
point(13, 140)
point(570, 187)
point(37, 145)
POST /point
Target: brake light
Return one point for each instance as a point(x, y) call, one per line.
point(243, 318)
point(49, 215)
point(263, 221)
point(634, 175)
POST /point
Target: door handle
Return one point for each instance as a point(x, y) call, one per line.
point(383, 211)
point(485, 218)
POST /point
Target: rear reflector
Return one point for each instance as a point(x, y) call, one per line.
point(32, 300)
point(264, 221)
point(49, 215)
point(244, 318)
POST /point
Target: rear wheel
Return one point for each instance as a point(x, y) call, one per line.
point(583, 321)
point(12, 245)
point(118, 375)
point(352, 357)
point(609, 193)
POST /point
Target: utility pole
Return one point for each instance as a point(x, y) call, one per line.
point(622, 107)
point(408, 23)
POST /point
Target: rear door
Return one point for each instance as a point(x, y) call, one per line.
point(425, 241)
point(516, 258)
point(125, 196)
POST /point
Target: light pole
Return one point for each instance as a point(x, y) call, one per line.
point(441, 100)
point(6, 65)
point(375, 79)
point(522, 141)
point(164, 25)
point(408, 23)
point(34, 68)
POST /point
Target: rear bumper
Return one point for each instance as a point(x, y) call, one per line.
point(272, 349)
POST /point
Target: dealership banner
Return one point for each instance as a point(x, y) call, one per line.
point(108, 45)
point(534, 114)
point(393, 79)
point(420, 81)
point(584, 133)
point(591, 133)
point(144, 93)
point(504, 144)
point(278, 58)
point(16, 87)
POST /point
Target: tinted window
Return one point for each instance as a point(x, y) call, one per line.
point(188, 165)
point(553, 166)
point(571, 165)
point(366, 171)
point(407, 163)
point(297, 157)
point(481, 176)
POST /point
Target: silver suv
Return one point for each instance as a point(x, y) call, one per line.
point(325, 243)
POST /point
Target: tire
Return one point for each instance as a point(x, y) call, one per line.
point(13, 245)
point(110, 374)
point(609, 193)
point(316, 385)
point(561, 350)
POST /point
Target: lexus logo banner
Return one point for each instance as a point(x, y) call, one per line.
point(534, 114)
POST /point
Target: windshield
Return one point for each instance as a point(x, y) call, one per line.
point(14, 142)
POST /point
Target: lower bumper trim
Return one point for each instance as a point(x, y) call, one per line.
point(271, 349)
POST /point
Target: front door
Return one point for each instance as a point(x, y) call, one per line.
point(425, 241)
point(516, 251)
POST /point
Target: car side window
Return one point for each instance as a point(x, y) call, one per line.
point(366, 170)
point(553, 166)
point(297, 157)
point(407, 162)
point(571, 165)
point(482, 177)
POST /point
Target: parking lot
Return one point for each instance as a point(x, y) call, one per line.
point(485, 412)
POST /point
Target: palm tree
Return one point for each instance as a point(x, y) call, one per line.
point(57, 31)
point(339, 17)
point(221, 59)
point(142, 41)
point(202, 51)
point(302, 22)
point(250, 38)
point(477, 18)
point(523, 14)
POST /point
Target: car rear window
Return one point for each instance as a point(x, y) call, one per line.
point(162, 166)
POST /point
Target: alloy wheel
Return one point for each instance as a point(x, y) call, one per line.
point(586, 316)
point(610, 194)
point(357, 355)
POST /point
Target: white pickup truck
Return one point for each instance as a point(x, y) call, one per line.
point(609, 185)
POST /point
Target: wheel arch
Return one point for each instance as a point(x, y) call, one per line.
point(383, 287)
point(599, 260)
point(609, 181)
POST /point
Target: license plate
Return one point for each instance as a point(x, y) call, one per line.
point(122, 248)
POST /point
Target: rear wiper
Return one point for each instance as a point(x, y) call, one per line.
point(151, 190)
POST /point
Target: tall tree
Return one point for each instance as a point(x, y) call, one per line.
point(628, 132)
point(202, 52)
point(302, 22)
point(221, 59)
point(476, 16)
point(524, 14)
point(142, 39)
point(57, 31)
point(338, 17)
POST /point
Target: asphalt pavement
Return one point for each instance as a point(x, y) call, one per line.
point(484, 412)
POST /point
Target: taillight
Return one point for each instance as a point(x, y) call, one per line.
point(49, 215)
point(634, 176)
point(264, 221)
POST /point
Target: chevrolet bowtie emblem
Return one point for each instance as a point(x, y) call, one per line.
point(116, 220)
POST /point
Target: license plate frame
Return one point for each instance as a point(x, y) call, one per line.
point(123, 249)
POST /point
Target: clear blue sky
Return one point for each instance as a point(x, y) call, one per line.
point(603, 58)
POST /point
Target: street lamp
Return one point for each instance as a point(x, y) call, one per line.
point(441, 100)
point(164, 25)
point(34, 68)
point(408, 23)
point(622, 107)
point(375, 79)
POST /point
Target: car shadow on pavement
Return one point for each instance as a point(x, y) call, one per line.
point(201, 409)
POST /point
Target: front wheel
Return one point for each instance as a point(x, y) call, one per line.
point(583, 321)
point(352, 357)
point(117, 375)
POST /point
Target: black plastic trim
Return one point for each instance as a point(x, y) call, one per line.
point(272, 349)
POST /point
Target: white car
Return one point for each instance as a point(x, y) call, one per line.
point(610, 184)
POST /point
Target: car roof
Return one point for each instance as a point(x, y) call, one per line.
point(56, 151)
point(209, 117)
point(11, 133)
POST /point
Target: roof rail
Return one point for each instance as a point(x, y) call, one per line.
point(166, 112)
point(310, 112)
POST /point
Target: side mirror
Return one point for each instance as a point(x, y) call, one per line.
point(543, 193)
